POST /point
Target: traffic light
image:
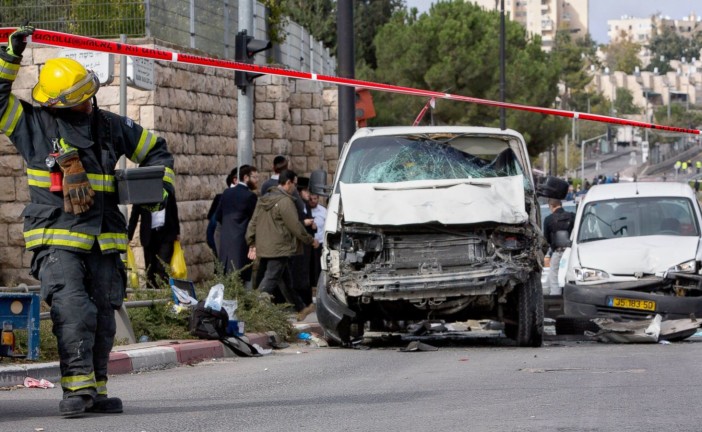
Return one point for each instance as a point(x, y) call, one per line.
point(245, 49)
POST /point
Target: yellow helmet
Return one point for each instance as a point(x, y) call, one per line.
point(64, 83)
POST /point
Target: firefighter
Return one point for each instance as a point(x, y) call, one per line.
point(72, 223)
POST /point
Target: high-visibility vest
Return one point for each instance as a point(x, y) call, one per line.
point(684, 165)
point(698, 164)
point(677, 164)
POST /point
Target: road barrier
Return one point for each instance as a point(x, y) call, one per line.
point(58, 39)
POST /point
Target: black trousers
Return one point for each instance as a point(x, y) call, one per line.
point(277, 275)
point(83, 290)
point(156, 253)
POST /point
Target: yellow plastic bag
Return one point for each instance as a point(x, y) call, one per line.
point(178, 268)
point(132, 275)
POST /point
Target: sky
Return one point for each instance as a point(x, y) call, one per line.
point(603, 10)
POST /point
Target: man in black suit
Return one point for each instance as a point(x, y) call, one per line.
point(234, 213)
point(159, 229)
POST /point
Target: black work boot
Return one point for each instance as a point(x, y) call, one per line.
point(106, 405)
point(74, 406)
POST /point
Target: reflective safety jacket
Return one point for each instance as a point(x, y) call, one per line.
point(101, 138)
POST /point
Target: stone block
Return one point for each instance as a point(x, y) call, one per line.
point(313, 148)
point(10, 257)
point(331, 126)
point(10, 212)
point(262, 146)
point(264, 110)
point(14, 234)
point(4, 239)
point(7, 188)
point(316, 133)
point(281, 147)
point(299, 164)
point(268, 129)
point(274, 93)
point(282, 111)
point(296, 116)
point(299, 133)
point(297, 148)
point(314, 163)
point(21, 189)
point(300, 100)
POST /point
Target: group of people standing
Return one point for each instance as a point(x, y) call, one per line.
point(281, 226)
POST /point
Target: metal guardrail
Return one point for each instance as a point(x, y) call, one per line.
point(46, 315)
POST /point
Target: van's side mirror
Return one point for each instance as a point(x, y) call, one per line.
point(553, 187)
point(318, 183)
point(561, 239)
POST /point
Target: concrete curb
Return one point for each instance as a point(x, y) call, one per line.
point(146, 356)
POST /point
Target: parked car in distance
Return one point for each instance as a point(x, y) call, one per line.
point(433, 222)
point(635, 252)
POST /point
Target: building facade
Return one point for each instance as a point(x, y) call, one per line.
point(545, 17)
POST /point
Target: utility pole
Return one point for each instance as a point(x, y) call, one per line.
point(503, 118)
point(345, 55)
point(244, 153)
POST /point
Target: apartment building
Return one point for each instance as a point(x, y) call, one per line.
point(641, 30)
point(545, 17)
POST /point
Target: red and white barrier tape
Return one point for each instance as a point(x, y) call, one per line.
point(52, 38)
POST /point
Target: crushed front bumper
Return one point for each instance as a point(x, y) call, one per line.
point(599, 301)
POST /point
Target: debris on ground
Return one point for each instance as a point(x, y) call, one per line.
point(651, 330)
point(30, 382)
point(416, 346)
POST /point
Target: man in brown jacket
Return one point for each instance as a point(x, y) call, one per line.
point(273, 235)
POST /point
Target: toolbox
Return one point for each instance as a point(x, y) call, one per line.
point(140, 185)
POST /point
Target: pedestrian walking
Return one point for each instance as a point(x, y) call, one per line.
point(233, 214)
point(213, 227)
point(698, 166)
point(558, 220)
point(319, 213)
point(158, 231)
point(72, 224)
point(272, 236)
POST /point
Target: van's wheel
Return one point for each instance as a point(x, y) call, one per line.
point(529, 330)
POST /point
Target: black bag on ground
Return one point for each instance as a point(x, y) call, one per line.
point(206, 323)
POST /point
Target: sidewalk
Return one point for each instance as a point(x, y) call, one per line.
point(148, 356)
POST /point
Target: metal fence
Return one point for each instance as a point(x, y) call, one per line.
point(206, 25)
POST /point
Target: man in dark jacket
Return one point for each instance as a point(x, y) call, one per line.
point(213, 228)
point(233, 214)
point(558, 220)
point(73, 224)
point(272, 236)
point(158, 231)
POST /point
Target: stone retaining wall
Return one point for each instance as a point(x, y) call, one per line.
point(195, 109)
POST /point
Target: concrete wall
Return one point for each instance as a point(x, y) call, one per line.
point(194, 108)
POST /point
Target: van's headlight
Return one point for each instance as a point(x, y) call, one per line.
point(589, 275)
point(684, 267)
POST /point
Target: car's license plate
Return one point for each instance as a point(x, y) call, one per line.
point(627, 303)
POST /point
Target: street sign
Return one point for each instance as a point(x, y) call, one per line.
point(99, 62)
point(141, 73)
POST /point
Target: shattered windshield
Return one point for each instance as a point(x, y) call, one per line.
point(635, 217)
point(387, 159)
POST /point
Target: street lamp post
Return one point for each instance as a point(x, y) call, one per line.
point(582, 154)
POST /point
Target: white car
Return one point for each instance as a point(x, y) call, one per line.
point(636, 252)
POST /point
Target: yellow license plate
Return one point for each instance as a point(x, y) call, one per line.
point(627, 303)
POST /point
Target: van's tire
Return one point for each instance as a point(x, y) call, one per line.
point(571, 325)
point(529, 330)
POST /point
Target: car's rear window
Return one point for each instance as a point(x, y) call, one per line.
point(635, 217)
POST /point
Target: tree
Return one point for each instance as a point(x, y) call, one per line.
point(622, 55)
point(572, 58)
point(624, 102)
point(669, 45)
point(454, 48)
point(319, 17)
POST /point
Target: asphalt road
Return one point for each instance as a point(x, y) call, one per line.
point(564, 386)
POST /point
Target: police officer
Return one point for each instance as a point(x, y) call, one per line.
point(558, 220)
point(73, 224)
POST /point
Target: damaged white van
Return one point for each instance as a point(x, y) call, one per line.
point(432, 223)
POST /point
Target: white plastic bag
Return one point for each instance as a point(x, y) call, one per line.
point(215, 297)
point(230, 306)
